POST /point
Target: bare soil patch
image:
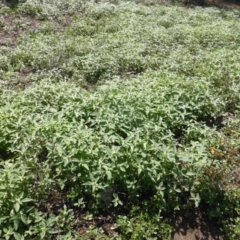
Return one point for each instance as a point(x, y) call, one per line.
point(232, 4)
point(15, 27)
point(195, 227)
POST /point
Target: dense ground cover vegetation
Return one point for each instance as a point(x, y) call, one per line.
point(120, 109)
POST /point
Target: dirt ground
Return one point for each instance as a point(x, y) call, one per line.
point(195, 228)
point(233, 4)
point(229, 4)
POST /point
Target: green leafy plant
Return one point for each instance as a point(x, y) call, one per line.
point(155, 131)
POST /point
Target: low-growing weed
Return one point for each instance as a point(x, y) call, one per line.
point(160, 134)
point(80, 143)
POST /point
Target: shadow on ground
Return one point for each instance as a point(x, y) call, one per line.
point(232, 4)
point(13, 3)
point(195, 227)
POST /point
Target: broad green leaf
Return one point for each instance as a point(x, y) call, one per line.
point(190, 174)
point(18, 236)
point(17, 207)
